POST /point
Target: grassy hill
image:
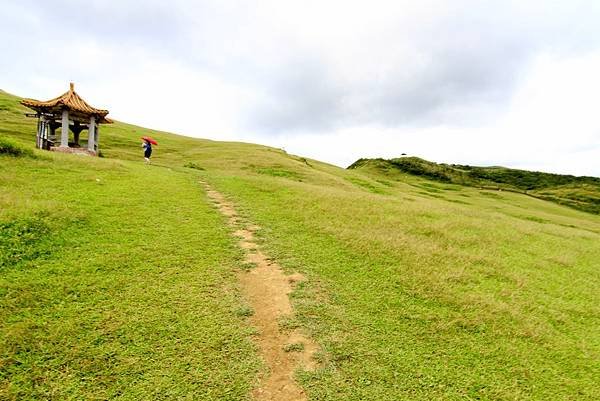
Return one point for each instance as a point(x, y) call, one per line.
point(117, 279)
point(579, 192)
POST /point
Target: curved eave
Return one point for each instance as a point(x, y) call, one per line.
point(56, 106)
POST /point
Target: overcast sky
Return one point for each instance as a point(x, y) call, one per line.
point(512, 83)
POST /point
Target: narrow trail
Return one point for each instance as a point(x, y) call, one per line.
point(267, 288)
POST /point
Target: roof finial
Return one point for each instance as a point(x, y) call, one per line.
point(72, 86)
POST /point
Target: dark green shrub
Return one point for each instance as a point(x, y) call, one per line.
point(8, 147)
point(193, 165)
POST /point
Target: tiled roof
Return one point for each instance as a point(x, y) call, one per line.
point(69, 100)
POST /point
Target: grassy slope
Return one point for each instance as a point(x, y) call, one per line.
point(417, 290)
point(581, 193)
point(116, 281)
point(451, 295)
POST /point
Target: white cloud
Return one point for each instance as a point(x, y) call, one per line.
point(189, 102)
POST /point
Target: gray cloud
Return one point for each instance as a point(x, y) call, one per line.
point(139, 22)
point(438, 63)
point(461, 68)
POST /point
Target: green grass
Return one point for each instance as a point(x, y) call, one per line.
point(294, 347)
point(416, 289)
point(116, 281)
point(578, 192)
point(428, 299)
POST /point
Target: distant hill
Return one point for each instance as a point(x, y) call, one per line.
point(582, 193)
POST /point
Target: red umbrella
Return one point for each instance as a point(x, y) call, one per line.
point(149, 139)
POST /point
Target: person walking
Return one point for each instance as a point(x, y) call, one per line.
point(147, 145)
point(147, 150)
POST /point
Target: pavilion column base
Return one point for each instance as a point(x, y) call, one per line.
point(77, 151)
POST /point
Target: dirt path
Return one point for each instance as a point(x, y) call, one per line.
point(266, 288)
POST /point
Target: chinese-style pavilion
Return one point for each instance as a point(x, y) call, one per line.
point(69, 112)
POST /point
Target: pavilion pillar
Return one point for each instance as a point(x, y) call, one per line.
point(52, 129)
point(64, 137)
point(92, 134)
point(42, 136)
point(76, 128)
point(38, 137)
point(97, 138)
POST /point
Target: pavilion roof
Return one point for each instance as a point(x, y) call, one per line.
point(69, 100)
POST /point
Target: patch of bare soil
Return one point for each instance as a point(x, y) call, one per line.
point(267, 289)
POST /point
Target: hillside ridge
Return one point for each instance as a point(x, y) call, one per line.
point(580, 192)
